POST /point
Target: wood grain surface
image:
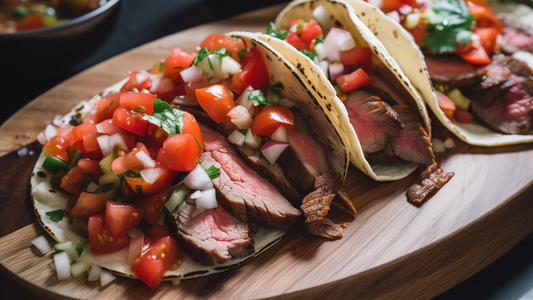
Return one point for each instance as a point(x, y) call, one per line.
point(391, 250)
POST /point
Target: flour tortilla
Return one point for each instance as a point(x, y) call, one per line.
point(389, 77)
point(45, 198)
point(403, 48)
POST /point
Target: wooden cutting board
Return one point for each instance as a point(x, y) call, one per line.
point(391, 250)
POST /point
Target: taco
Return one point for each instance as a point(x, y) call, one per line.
point(117, 163)
point(352, 73)
point(483, 93)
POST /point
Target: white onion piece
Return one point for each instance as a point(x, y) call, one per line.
point(57, 120)
point(336, 69)
point(141, 76)
point(412, 20)
point(237, 138)
point(41, 137)
point(42, 244)
point(324, 66)
point(106, 277)
point(135, 248)
point(272, 150)
point(92, 187)
point(176, 281)
point(146, 160)
point(135, 232)
point(252, 141)
point(437, 145)
point(240, 116)
point(62, 264)
point(117, 139)
point(244, 101)
point(196, 195)
point(207, 200)
point(524, 57)
point(151, 175)
point(321, 52)
point(394, 15)
point(280, 135)
point(449, 143)
point(198, 179)
point(50, 131)
point(321, 14)
point(94, 272)
point(230, 65)
point(22, 151)
point(191, 74)
point(405, 9)
point(103, 142)
point(336, 41)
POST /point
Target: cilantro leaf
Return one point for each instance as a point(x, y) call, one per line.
point(311, 55)
point(166, 117)
point(258, 98)
point(319, 39)
point(242, 53)
point(75, 159)
point(452, 25)
point(79, 248)
point(56, 215)
point(213, 172)
point(159, 66)
point(221, 52)
point(271, 30)
point(276, 88)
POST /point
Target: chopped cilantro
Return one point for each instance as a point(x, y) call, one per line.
point(452, 25)
point(130, 173)
point(165, 117)
point(56, 215)
point(311, 55)
point(319, 39)
point(75, 159)
point(202, 54)
point(213, 172)
point(242, 53)
point(160, 66)
point(105, 188)
point(258, 98)
point(75, 120)
point(277, 88)
point(221, 52)
point(90, 175)
point(79, 247)
point(198, 143)
point(271, 30)
point(139, 189)
point(299, 26)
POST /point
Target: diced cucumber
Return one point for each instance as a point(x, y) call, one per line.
point(252, 141)
point(112, 194)
point(105, 163)
point(79, 268)
point(108, 178)
point(68, 247)
point(80, 226)
point(177, 197)
point(459, 99)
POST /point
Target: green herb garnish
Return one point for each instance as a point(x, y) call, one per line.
point(160, 66)
point(213, 172)
point(165, 117)
point(75, 159)
point(319, 39)
point(79, 248)
point(221, 52)
point(75, 120)
point(309, 54)
point(242, 53)
point(277, 88)
point(56, 215)
point(258, 98)
point(271, 30)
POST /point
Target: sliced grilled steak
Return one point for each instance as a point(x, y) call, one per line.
point(211, 237)
point(413, 144)
point(325, 228)
point(385, 155)
point(331, 183)
point(452, 71)
point(316, 208)
point(515, 39)
point(495, 83)
point(240, 188)
point(430, 181)
point(374, 121)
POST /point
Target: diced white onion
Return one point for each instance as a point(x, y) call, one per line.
point(151, 175)
point(411, 21)
point(135, 248)
point(272, 150)
point(92, 187)
point(118, 139)
point(236, 137)
point(336, 69)
point(336, 41)
point(135, 232)
point(230, 65)
point(41, 137)
point(405, 9)
point(50, 131)
point(321, 14)
point(147, 161)
point(240, 116)
point(449, 143)
point(198, 179)
point(94, 272)
point(103, 142)
point(244, 101)
point(252, 141)
point(524, 57)
point(42, 244)
point(62, 264)
point(22, 151)
point(99, 127)
point(438, 145)
point(207, 200)
point(106, 277)
point(321, 52)
point(78, 268)
point(394, 15)
point(324, 66)
point(191, 74)
point(176, 281)
point(196, 195)
point(141, 76)
point(280, 135)
point(57, 120)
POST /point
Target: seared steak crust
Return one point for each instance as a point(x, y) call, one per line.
point(452, 71)
point(430, 181)
point(325, 228)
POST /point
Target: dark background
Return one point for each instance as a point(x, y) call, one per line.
point(29, 71)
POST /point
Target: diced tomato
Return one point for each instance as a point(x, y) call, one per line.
point(158, 231)
point(141, 187)
point(164, 89)
point(89, 205)
point(176, 62)
point(270, 118)
point(485, 17)
point(129, 161)
point(121, 218)
point(66, 131)
point(142, 103)
point(108, 127)
point(132, 83)
point(390, 5)
point(105, 107)
point(190, 126)
point(153, 205)
point(293, 24)
point(100, 238)
point(57, 147)
point(488, 38)
point(463, 116)
point(179, 152)
point(90, 143)
point(151, 267)
point(294, 40)
point(80, 130)
point(446, 105)
point(254, 72)
point(310, 31)
point(96, 154)
point(477, 55)
point(31, 22)
point(361, 57)
point(130, 121)
point(216, 100)
point(90, 168)
point(72, 182)
point(217, 40)
point(156, 135)
point(353, 81)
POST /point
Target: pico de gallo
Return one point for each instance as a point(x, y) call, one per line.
point(122, 162)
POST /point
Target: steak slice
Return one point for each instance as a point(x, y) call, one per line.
point(516, 39)
point(374, 121)
point(452, 71)
point(331, 183)
point(430, 181)
point(495, 83)
point(240, 188)
point(413, 144)
point(385, 155)
point(325, 228)
point(213, 236)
